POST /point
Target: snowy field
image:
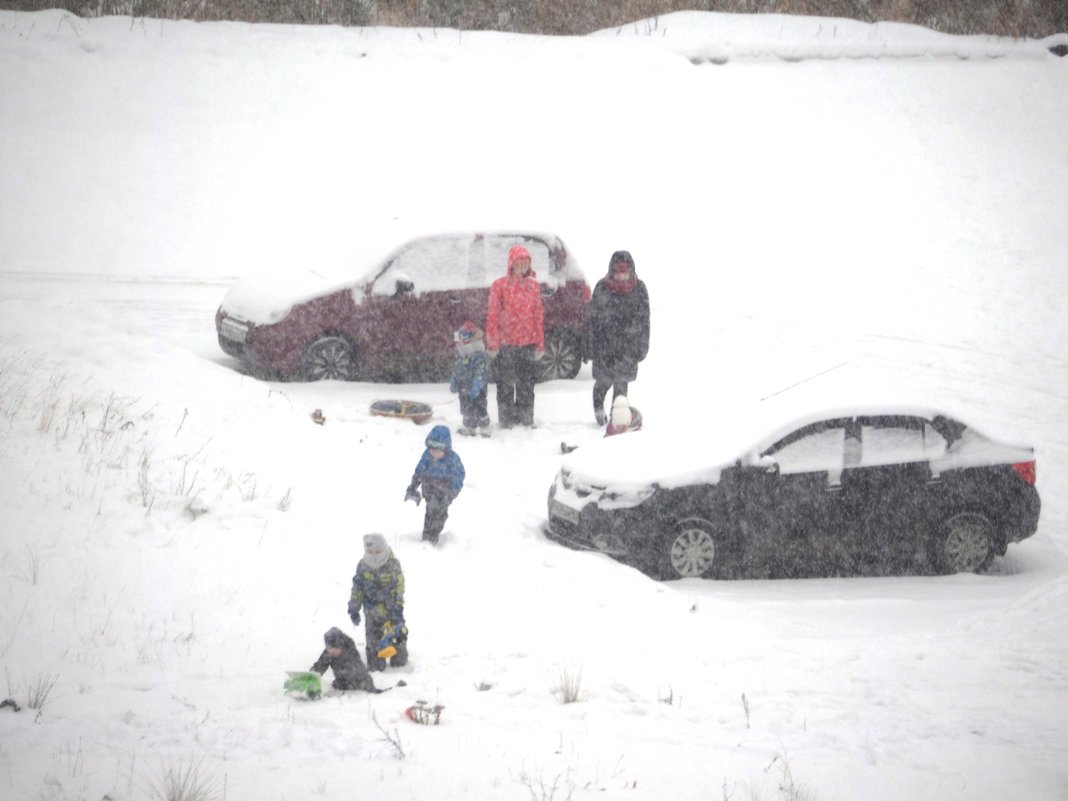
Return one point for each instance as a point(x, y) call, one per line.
point(819, 208)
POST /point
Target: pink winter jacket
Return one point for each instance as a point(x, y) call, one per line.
point(514, 316)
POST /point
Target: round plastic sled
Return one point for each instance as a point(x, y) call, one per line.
point(410, 410)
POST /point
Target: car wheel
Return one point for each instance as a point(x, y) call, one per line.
point(967, 543)
point(693, 550)
point(329, 357)
point(562, 358)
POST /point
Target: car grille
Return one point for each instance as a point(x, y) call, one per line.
point(233, 331)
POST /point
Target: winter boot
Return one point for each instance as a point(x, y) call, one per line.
point(465, 431)
point(374, 661)
point(602, 418)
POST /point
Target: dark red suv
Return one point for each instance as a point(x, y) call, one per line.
point(397, 322)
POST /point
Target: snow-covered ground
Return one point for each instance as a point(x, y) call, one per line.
point(818, 207)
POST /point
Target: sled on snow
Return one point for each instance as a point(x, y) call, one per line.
point(303, 684)
point(415, 411)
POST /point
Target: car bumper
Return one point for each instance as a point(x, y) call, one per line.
point(618, 533)
point(1029, 508)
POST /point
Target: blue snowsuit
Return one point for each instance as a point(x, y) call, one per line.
point(470, 377)
point(440, 479)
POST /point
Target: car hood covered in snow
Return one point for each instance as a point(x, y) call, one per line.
point(641, 458)
point(268, 300)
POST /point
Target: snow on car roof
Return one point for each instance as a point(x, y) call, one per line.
point(683, 452)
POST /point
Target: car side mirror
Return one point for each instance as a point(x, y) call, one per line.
point(768, 464)
point(404, 287)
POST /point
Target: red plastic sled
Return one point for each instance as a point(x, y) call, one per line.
point(412, 410)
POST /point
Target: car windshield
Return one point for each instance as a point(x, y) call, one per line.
point(464, 261)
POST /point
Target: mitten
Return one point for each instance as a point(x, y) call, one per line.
point(412, 494)
point(354, 613)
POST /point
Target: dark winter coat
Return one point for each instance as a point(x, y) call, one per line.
point(445, 473)
point(349, 671)
point(619, 329)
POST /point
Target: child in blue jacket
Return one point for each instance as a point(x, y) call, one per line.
point(470, 377)
point(440, 473)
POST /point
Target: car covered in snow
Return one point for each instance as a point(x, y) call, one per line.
point(396, 322)
point(857, 492)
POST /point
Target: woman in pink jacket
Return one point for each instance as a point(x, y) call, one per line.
point(515, 339)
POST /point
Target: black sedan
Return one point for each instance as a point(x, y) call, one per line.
point(859, 492)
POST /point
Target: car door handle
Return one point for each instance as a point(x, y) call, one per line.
point(455, 299)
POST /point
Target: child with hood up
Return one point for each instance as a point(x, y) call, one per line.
point(378, 589)
point(624, 417)
point(341, 656)
point(440, 473)
point(470, 377)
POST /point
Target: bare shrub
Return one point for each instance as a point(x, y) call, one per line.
point(542, 790)
point(393, 738)
point(186, 781)
point(48, 403)
point(569, 688)
point(39, 691)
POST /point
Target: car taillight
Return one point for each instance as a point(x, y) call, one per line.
point(1026, 471)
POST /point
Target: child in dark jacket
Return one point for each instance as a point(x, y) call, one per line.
point(470, 377)
point(341, 656)
point(440, 473)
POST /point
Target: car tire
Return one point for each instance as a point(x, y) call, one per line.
point(563, 356)
point(966, 543)
point(694, 549)
point(329, 357)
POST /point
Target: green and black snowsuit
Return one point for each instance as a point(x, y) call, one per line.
point(378, 589)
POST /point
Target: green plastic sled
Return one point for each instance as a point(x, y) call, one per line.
point(305, 683)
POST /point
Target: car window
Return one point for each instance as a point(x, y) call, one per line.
point(898, 440)
point(496, 253)
point(815, 448)
point(434, 264)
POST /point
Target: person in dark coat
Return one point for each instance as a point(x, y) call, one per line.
point(341, 656)
point(619, 330)
point(440, 474)
point(378, 590)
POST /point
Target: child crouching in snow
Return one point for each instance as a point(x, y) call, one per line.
point(341, 656)
point(624, 417)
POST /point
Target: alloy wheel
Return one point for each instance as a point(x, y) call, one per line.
point(693, 552)
point(329, 358)
point(969, 543)
point(562, 358)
